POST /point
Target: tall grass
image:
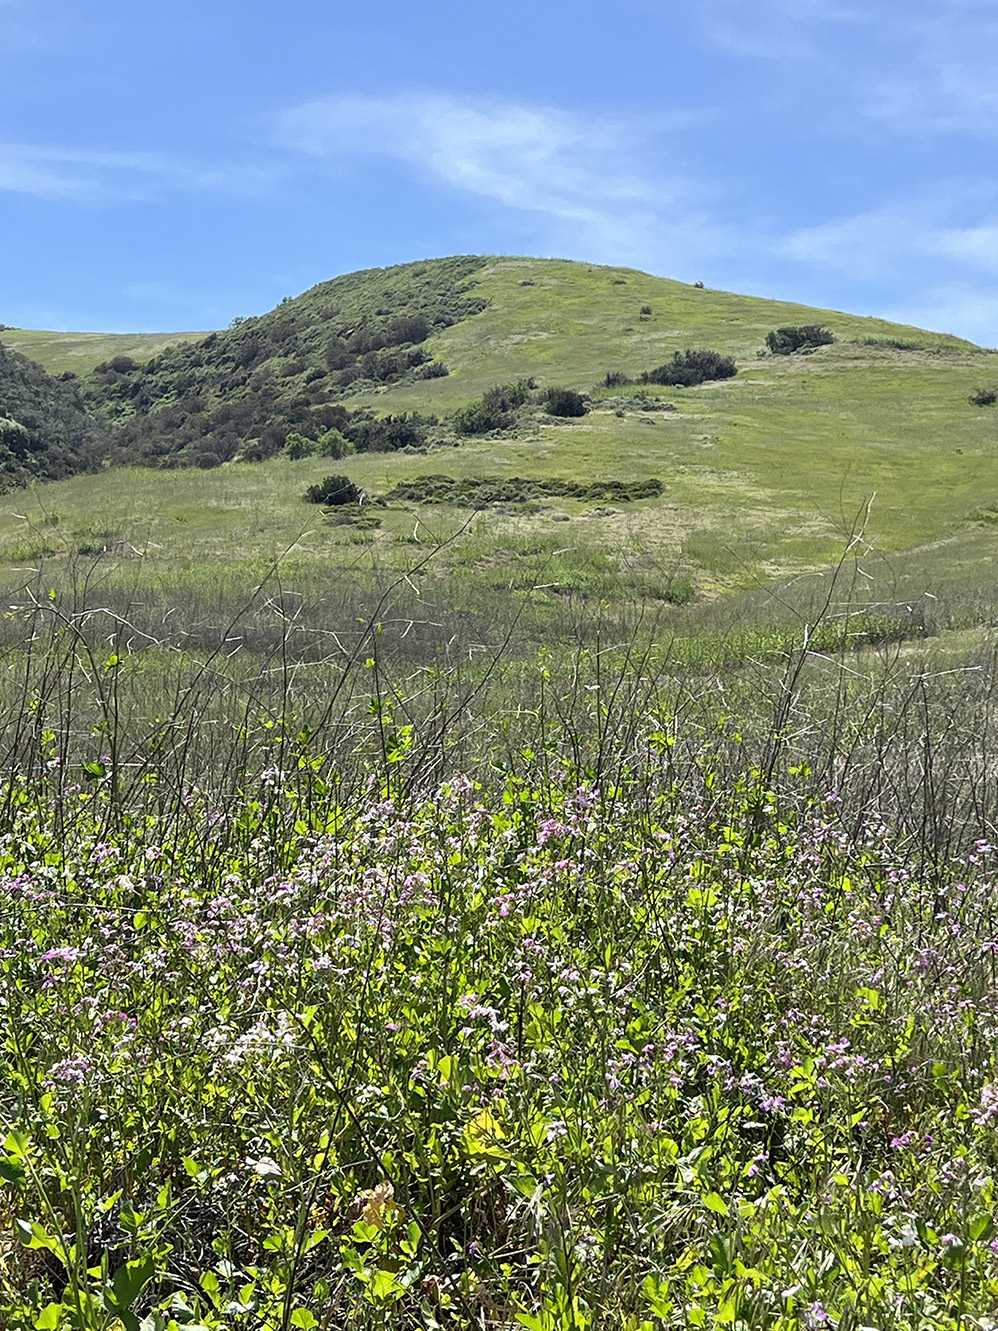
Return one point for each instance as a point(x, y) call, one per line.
point(361, 971)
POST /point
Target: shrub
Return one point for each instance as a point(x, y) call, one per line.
point(790, 339)
point(332, 444)
point(565, 402)
point(434, 370)
point(984, 397)
point(298, 446)
point(493, 411)
point(387, 435)
point(615, 379)
point(646, 309)
point(333, 491)
point(691, 367)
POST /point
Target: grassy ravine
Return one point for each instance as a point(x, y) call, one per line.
point(576, 993)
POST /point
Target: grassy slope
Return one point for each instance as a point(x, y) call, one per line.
point(764, 473)
point(80, 352)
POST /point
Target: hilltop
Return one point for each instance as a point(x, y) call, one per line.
point(751, 476)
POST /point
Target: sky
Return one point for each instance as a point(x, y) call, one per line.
point(172, 167)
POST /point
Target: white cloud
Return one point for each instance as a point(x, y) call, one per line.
point(918, 67)
point(98, 177)
point(583, 175)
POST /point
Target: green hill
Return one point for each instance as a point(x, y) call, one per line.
point(78, 353)
point(45, 431)
point(761, 474)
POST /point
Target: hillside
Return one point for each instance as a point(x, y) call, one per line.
point(78, 353)
point(759, 475)
point(45, 431)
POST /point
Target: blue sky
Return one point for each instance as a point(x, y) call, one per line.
point(170, 167)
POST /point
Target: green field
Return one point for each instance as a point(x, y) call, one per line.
point(566, 915)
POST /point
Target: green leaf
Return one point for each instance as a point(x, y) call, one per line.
point(49, 1317)
point(12, 1171)
point(715, 1202)
point(130, 1280)
point(303, 1318)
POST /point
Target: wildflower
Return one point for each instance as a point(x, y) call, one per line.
point(71, 1071)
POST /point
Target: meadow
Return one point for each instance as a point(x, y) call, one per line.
point(573, 914)
point(585, 985)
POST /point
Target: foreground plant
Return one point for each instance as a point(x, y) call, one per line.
point(651, 1054)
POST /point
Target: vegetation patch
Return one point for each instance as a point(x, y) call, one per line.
point(495, 410)
point(242, 391)
point(45, 430)
point(691, 367)
point(333, 491)
point(484, 491)
point(984, 397)
point(793, 339)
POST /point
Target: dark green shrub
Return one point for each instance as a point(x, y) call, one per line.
point(615, 379)
point(333, 444)
point(494, 410)
point(790, 339)
point(333, 491)
point(298, 446)
point(691, 367)
point(564, 402)
point(984, 397)
point(646, 309)
point(387, 435)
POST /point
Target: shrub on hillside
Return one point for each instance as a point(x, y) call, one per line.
point(333, 491)
point(984, 397)
point(494, 410)
point(691, 367)
point(615, 379)
point(564, 402)
point(388, 434)
point(297, 446)
point(803, 338)
point(333, 444)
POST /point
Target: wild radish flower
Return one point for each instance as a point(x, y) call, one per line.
point(987, 1108)
point(71, 1071)
point(265, 1166)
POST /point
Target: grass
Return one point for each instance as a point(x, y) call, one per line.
point(555, 991)
point(80, 352)
point(461, 923)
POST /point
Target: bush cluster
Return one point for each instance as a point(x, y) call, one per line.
point(333, 491)
point(803, 338)
point(45, 430)
point(564, 402)
point(494, 410)
point(691, 367)
point(483, 491)
point(984, 397)
point(239, 393)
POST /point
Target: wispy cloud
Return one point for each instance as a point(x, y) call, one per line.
point(581, 174)
point(98, 177)
point(911, 67)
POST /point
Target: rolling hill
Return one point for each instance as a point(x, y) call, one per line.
point(761, 474)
